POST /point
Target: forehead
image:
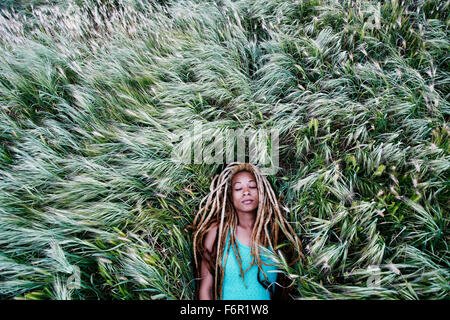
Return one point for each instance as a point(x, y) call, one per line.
point(243, 176)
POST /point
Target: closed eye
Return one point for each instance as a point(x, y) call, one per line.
point(241, 189)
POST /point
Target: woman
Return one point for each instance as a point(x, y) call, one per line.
point(241, 214)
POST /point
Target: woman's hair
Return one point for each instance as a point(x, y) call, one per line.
point(216, 209)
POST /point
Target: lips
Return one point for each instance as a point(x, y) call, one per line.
point(247, 201)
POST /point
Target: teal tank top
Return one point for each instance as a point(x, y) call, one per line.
point(233, 287)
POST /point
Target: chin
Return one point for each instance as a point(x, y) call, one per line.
point(247, 209)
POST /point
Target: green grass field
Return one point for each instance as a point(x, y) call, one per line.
point(92, 91)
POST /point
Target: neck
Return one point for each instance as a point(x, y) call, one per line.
point(246, 220)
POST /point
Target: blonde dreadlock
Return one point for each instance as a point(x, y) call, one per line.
point(218, 210)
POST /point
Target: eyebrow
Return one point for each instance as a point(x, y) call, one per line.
point(240, 182)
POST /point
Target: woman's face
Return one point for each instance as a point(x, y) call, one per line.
point(244, 192)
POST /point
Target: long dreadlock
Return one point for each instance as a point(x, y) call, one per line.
point(216, 209)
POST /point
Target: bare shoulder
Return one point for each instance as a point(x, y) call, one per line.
point(211, 237)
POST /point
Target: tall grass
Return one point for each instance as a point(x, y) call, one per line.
point(91, 93)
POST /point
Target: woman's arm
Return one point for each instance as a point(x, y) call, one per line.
point(206, 281)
